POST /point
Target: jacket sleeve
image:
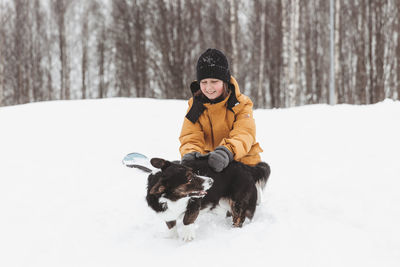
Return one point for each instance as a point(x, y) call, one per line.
point(192, 136)
point(243, 134)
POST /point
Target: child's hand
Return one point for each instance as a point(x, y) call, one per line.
point(219, 158)
point(190, 156)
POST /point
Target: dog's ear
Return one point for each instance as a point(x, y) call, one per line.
point(159, 163)
point(158, 188)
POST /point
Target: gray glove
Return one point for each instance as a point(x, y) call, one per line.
point(220, 158)
point(190, 156)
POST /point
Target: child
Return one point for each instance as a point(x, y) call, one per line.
point(219, 121)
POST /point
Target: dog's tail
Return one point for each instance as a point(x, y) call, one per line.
point(261, 173)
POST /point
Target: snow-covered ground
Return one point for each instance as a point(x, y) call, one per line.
point(66, 199)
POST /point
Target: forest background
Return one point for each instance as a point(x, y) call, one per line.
point(278, 49)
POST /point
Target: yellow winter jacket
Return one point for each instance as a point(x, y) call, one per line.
point(228, 123)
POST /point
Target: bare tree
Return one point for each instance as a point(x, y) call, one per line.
point(307, 22)
point(39, 47)
point(276, 55)
point(175, 42)
point(60, 9)
point(290, 24)
point(321, 50)
point(337, 45)
point(85, 51)
point(3, 19)
point(260, 99)
point(101, 61)
point(259, 71)
point(211, 16)
point(7, 58)
point(294, 53)
point(361, 68)
point(19, 51)
point(234, 28)
point(379, 90)
point(263, 71)
point(397, 4)
point(285, 45)
point(130, 39)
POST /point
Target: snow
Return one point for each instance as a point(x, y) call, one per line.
point(67, 200)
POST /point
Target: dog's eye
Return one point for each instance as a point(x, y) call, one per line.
point(189, 176)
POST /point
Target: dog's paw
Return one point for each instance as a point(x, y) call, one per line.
point(172, 233)
point(188, 233)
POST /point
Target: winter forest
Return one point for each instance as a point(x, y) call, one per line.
point(278, 49)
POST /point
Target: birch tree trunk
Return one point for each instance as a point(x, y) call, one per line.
point(337, 48)
point(285, 49)
point(293, 52)
point(276, 57)
point(59, 12)
point(371, 93)
point(1, 76)
point(379, 50)
point(101, 58)
point(260, 95)
point(361, 67)
point(234, 31)
point(398, 49)
point(39, 46)
point(306, 17)
point(85, 48)
point(2, 38)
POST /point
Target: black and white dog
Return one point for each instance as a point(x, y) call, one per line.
point(176, 190)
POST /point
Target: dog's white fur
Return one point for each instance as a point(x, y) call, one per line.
point(188, 232)
point(175, 209)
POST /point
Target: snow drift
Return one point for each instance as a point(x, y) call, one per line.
point(67, 200)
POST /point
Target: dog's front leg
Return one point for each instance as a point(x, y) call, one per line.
point(173, 233)
point(192, 211)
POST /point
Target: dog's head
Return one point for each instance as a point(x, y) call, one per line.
point(176, 181)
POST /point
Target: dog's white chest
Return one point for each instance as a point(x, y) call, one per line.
point(175, 208)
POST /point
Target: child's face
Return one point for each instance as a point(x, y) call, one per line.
point(212, 88)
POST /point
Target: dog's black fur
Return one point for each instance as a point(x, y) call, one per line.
point(236, 184)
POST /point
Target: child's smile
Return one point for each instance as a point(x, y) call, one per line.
point(212, 88)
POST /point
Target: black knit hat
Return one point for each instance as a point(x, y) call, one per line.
point(213, 64)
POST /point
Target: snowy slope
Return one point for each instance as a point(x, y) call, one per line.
point(66, 199)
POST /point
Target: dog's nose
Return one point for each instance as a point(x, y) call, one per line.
point(210, 181)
